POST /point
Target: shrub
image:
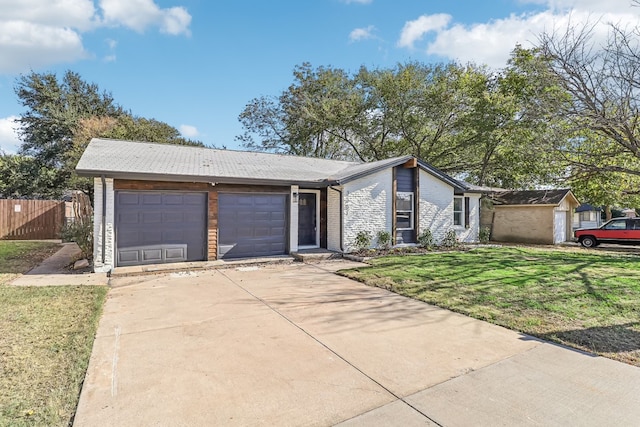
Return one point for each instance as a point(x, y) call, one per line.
point(81, 232)
point(384, 239)
point(363, 240)
point(450, 239)
point(425, 239)
point(484, 234)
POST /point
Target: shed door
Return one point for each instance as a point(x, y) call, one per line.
point(560, 227)
point(160, 227)
point(251, 225)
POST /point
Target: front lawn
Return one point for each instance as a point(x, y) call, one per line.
point(46, 336)
point(584, 299)
point(17, 257)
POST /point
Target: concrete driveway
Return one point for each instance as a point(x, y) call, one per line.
point(299, 345)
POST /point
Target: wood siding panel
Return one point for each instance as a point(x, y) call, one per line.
point(35, 219)
point(125, 184)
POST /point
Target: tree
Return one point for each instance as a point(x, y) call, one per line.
point(462, 119)
point(61, 118)
point(603, 82)
point(53, 111)
point(24, 175)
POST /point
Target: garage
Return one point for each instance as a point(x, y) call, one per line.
point(160, 227)
point(251, 225)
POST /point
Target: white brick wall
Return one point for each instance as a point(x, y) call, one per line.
point(367, 206)
point(293, 221)
point(470, 235)
point(436, 210)
point(333, 220)
point(436, 205)
point(109, 261)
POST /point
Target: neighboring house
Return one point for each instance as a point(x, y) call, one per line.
point(629, 213)
point(532, 216)
point(157, 203)
point(587, 216)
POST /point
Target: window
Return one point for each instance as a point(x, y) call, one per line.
point(458, 212)
point(404, 211)
point(620, 224)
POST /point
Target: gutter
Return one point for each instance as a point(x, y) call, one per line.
point(104, 218)
point(341, 219)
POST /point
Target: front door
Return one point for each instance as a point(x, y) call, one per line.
point(307, 221)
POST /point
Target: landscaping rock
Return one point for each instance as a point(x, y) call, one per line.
point(80, 264)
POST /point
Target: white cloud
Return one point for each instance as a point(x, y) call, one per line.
point(140, 14)
point(79, 14)
point(492, 42)
point(358, 1)
point(189, 131)
point(362, 33)
point(111, 56)
point(413, 31)
point(9, 141)
point(37, 33)
point(25, 45)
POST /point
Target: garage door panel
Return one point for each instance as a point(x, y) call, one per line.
point(151, 199)
point(128, 199)
point(157, 227)
point(251, 225)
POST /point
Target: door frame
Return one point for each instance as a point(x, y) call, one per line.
point(317, 193)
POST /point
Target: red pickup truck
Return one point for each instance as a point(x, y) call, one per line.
point(625, 231)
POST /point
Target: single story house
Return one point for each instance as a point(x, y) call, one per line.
point(532, 216)
point(587, 216)
point(158, 203)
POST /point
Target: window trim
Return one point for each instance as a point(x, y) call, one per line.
point(461, 211)
point(411, 212)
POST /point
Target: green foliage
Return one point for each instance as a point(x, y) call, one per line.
point(27, 176)
point(384, 239)
point(484, 234)
point(450, 240)
point(81, 232)
point(61, 118)
point(462, 119)
point(363, 240)
point(425, 239)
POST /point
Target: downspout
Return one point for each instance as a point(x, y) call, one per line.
point(341, 219)
point(104, 218)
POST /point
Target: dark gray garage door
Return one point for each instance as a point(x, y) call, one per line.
point(160, 227)
point(251, 225)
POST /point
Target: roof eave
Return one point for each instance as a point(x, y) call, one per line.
point(140, 176)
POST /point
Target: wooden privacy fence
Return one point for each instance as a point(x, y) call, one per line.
point(31, 219)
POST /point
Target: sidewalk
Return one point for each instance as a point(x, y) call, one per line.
point(53, 271)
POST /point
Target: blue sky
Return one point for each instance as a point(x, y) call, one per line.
point(195, 64)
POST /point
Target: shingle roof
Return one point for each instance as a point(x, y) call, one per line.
point(143, 160)
point(530, 197)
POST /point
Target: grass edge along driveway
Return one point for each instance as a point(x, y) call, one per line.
point(46, 337)
point(583, 299)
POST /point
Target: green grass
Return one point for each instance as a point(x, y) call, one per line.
point(46, 336)
point(584, 299)
point(17, 257)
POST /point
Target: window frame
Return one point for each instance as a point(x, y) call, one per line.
point(461, 211)
point(411, 212)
